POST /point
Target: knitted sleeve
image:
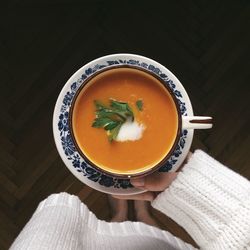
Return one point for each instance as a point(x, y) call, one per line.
point(211, 202)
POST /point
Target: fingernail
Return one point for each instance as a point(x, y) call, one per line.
point(138, 182)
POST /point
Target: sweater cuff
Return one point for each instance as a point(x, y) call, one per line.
point(211, 202)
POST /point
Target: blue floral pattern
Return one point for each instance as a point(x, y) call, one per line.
point(68, 145)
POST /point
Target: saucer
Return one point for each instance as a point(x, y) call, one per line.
point(64, 142)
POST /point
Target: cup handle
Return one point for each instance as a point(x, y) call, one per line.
point(197, 122)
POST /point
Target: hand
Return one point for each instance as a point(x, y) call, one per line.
point(154, 184)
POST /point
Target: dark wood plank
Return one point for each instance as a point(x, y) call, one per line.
point(204, 43)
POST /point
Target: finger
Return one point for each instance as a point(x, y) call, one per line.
point(147, 196)
point(157, 181)
point(189, 155)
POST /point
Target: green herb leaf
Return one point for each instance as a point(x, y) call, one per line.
point(139, 104)
point(114, 133)
point(111, 114)
point(111, 118)
point(119, 106)
point(101, 122)
point(122, 108)
point(112, 125)
point(99, 105)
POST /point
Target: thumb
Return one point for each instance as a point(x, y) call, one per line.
point(154, 182)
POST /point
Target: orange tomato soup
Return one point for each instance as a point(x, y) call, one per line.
point(159, 117)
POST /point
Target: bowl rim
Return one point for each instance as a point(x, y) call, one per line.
point(151, 169)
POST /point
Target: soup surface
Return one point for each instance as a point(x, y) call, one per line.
point(158, 116)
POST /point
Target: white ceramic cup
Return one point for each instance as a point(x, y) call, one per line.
point(184, 121)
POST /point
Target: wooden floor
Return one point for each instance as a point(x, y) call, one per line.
point(205, 43)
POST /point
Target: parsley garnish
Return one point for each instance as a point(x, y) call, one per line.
point(112, 117)
point(139, 104)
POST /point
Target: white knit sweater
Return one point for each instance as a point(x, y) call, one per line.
point(211, 202)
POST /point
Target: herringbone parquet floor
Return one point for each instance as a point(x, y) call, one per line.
point(205, 43)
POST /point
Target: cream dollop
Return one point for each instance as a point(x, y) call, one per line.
point(130, 131)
